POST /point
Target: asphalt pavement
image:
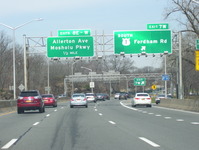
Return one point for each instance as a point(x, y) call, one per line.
point(106, 125)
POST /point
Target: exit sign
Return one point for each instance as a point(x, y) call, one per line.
point(139, 81)
point(81, 32)
point(159, 26)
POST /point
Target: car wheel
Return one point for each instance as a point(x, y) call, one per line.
point(86, 106)
point(149, 105)
point(19, 111)
point(71, 106)
point(41, 109)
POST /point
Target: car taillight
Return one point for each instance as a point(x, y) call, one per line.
point(85, 99)
point(148, 98)
point(136, 98)
point(71, 99)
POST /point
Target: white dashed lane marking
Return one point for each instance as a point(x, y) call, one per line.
point(195, 123)
point(149, 142)
point(36, 123)
point(9, 144)
point(180, 120)
point(112, 122)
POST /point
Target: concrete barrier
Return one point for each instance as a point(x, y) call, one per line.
point(7, 105)
point(184, 104)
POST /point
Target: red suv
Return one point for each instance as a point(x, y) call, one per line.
point(30, 100)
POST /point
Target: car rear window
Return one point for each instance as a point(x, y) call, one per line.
point(25, 94)
point(142, 95)
point(47, 96)
point(79, 95)
point(89, 94)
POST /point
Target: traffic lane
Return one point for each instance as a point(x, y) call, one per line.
point(78, 128)
point(13, 126)
point(168, 133)
point(167, 113)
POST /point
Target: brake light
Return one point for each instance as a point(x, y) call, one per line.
point(71, 99)
point(137, 98)
point(85, 99)
point(148, 98)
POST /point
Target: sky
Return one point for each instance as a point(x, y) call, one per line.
point(97, 15)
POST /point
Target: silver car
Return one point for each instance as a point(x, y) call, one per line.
point(78, 99)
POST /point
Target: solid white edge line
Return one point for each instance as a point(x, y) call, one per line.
point(112, 122)
point(128, 106)
point(9, 144)
point(149, 142)
point(36, 123)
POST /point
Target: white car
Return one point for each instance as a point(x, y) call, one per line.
point(117, 95)
point(91, 97)
point(141, 99)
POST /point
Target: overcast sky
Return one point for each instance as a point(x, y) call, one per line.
point(97, 15)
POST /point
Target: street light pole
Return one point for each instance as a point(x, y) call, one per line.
point(14, 69)
point(91, 76)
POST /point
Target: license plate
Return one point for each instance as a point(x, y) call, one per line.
point(28, 101)
point(143, 98)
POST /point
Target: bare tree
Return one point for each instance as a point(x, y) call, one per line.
point(186, 13)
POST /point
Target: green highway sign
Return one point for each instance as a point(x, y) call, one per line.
point(197, 44)
point(70, 46)
point(82, 32)
point(136, 42)
point(139, 81)
point(159, 26)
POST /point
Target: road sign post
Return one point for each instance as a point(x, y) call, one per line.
point(70, 46)
point(136, 42)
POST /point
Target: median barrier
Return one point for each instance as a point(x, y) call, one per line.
point(183, 104)
point(7, 105)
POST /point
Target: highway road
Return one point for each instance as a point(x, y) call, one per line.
point(109, 125)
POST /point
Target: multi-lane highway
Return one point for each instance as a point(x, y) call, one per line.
point(109, 125)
